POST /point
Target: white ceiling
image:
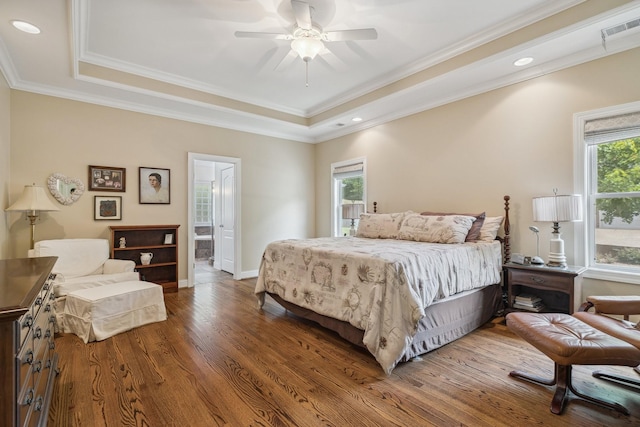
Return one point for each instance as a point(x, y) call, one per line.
point(180, 58)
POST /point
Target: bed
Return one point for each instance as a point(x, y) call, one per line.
point(406, 284)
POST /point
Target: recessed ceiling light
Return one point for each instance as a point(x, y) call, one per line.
point(523, 61)
point(26, 27)
point(356, 119)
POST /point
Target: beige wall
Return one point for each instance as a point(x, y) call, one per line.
point(517, 140)
point(56, 135)
point(5, 170)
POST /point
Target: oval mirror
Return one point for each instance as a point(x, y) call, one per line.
point(65, 190)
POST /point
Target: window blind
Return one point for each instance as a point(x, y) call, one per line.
point(614, 128)
point(348, 171)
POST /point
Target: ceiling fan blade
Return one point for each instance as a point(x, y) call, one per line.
point(286, 61)
point(302, 12)
point(252, 35)
point(344, 35)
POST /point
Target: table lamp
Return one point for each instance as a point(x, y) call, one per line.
point(557, 209)
point(352, 211)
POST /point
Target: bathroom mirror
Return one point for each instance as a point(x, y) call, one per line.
point(65, 190)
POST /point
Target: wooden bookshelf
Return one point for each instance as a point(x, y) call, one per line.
point(163, 268)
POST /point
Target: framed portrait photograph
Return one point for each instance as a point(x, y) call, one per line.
point(107, 178)
point(155, 186)
point(168, 239)
point(105, 207)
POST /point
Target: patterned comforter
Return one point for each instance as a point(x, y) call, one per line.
point(379, 286)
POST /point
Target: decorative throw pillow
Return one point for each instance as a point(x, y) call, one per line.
point(436, 228)
point(490, 227)
point(380, 226)
point(474, 232)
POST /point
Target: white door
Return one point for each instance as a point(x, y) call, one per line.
point(226, 224)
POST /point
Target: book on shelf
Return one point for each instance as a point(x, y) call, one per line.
point(528, 302)
point(535, 308)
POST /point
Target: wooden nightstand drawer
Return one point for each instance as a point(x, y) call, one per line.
point(540, 281)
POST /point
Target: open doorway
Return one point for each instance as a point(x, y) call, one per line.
point(213, 211)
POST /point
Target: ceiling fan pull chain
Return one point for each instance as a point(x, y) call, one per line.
point(306, 70)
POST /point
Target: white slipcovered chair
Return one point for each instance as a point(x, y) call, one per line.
point(81, 264)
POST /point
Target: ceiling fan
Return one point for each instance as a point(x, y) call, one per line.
point(307, 38)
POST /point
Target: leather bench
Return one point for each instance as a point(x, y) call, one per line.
point(568, 341)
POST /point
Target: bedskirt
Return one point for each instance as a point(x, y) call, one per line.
point(444, 321)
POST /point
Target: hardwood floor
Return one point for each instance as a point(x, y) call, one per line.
point(217, 360)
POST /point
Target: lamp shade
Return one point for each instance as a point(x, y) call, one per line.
point(307, 47)
point(352, 210)
point(33, 199)
point(564, 208)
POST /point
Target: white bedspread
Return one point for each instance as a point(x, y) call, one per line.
point(379, 286)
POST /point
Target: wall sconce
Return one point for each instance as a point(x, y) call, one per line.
point(352, 211)
point(557, 209)
point(32, 201)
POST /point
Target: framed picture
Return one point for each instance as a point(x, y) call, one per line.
point(155, 185)
point(107, 178)
point(105, 207)
point(168, 239)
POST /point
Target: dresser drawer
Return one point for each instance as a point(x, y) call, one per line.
point(540, 281)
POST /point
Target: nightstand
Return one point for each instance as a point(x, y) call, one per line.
point(559, 289)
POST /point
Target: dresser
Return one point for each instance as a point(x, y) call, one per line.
point(28, 361)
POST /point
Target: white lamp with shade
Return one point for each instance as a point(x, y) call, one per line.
point(557, 209)
point(352, 211)
point(33, 200)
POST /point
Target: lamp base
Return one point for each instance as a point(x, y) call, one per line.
point(556, 251)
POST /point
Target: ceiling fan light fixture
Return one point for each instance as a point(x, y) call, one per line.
point(307, 47)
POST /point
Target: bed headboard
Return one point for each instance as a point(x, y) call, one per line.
point(506, 241)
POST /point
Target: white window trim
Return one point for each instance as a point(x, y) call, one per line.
point(335, 205)
point(584, 235)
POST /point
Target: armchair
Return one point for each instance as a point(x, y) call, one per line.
point(81, 264)
point(601, 319)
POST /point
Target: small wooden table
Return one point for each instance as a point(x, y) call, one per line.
point(560, 288)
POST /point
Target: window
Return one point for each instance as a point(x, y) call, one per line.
point(202, 200)
point(612, 187)
point(348, 188)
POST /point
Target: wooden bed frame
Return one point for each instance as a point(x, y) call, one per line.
point(444, 321)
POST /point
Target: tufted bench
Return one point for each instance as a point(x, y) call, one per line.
point(96, 314)
point(568, 341)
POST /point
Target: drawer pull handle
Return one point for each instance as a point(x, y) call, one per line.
point(28, 321)
point(537, 279)
point(37, 333)
point(29, 397)
point(52, 345)
point(38, 301)
point(47, 307)
point(28, 358)
point(37, 367)
point(46, 286)
point(39, 403)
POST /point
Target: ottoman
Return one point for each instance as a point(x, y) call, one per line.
point(568, 341)
point(95, 314)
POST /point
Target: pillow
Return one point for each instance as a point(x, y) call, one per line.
point(490, 227)
point(380, 226)
point(474, 232)
point(435, 228)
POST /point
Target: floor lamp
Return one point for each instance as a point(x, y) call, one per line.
point(32, 201)
point(557, 209)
